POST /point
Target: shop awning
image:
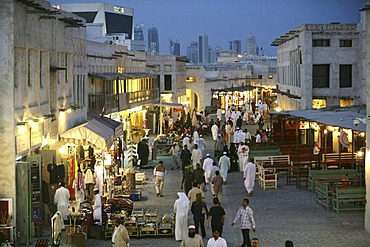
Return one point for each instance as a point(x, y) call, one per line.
point(121, 76)
point(113, 124)
point(93, 132)
point(233, 89)
point(169, 104)
point(341, 117)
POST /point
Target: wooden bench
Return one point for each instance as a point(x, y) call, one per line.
point(266, 179)
point(274, 162)
point(256, 153)
point(295, 149)
point(336, 160)
point(325, 187)
point(351, 198)
point(298, 175)
point(323, 193)
point(303, 158)
point(337, 173)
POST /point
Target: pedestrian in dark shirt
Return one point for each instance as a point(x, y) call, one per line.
point(199, 211)
point(185, 157)
point(216, 216)
point(199, 177)
point(187, 180)
point(239, 122)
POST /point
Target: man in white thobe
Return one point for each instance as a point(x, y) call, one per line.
point(214, 130)
point(235, 115)
point(61, 199)
point(207, 167)
point(228, 113)
point(241, 136)
point(258, 137)
point(235, 136)
point(201, 144)
point(97, 214)
point(260, 107)
point(243, 154)
point(247, 136)
point(196, 156)
point(150, 141)
point(181, 209)
point(186, 141)
point(249, 176)
point(224, 164)
point(195, 137)
point(246, 106)
point(219, 114)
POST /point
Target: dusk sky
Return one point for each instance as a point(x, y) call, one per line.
point(226, 20)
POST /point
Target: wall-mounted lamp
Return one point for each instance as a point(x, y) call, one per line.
point(33, 120)
point(21, 123)
point(325, 131)
point(63, 109)
point(69, 108)
point(51, 115)
point(75, 107)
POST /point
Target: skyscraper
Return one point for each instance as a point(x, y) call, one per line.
point(138, 33)
point(211, 55)
point(153, 41)
point(192, 52)
point(115, 19)
point(174, 48)
point(203, 48)
point(251, 46)
point(236, 45)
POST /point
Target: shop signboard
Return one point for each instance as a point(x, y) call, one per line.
point(35, 135)
point(22, 142)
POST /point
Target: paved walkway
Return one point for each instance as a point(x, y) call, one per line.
point(285, 213)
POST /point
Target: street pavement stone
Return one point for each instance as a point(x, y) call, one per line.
point(283, 214)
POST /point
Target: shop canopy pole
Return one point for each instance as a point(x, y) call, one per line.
point(339, 156)
point(353, 146)
point(160, 115)
point(296, 133)
point(325, 147)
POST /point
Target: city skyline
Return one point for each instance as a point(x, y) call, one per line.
point(223, 20)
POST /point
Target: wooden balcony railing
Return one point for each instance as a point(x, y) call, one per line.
point(123, 101)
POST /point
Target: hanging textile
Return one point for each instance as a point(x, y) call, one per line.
point(71, 175)
point(343, 139)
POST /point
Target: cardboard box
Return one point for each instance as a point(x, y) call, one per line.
point(148, 232)
point(133, 232)
point(165, 231)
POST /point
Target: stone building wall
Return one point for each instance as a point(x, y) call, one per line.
point(42, 57)
point(296, 57)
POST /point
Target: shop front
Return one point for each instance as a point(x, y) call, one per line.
point(239, 96)
point(334, 132)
